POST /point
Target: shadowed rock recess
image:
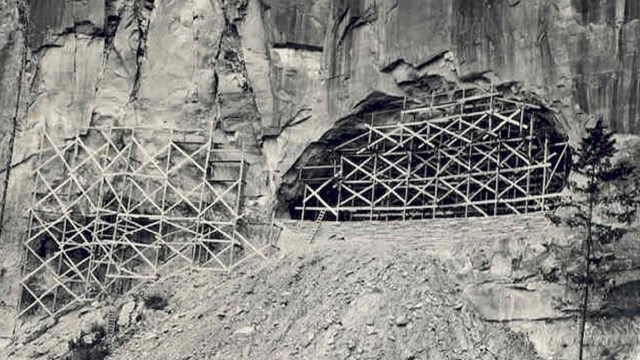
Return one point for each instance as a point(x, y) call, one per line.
point(282, 81)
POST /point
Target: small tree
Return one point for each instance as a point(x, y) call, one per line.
point(600, 205)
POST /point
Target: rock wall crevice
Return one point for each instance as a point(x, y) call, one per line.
point(141, 18)
point(18, 36)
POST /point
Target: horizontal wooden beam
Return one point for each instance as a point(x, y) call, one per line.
point(428, 206)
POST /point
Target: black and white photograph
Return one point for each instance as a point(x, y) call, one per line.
point(320, 179)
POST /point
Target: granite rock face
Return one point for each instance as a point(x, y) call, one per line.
point(274, 76)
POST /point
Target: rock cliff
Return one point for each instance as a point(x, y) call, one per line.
point(275, 75)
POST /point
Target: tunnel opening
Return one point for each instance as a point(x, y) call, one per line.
point(463, 153)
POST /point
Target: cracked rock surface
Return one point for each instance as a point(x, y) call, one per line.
point(276, 75)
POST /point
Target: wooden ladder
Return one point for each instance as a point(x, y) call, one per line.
point(316, 226)
point(112, 317)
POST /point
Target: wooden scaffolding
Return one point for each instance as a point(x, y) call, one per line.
point(471, 154)
point(117, 206)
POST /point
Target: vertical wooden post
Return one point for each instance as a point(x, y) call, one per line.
point(337, 172)
point(240, 183)
point(370, 131)
point(59, 263)
point(406, 186)
point(102, 160)
point(469, 164)
point(373, 185)
point(497, 183)
point(435, 191)
point(114, 236)
point(422, 195)
point(544, 171)
point(375, 163)
point(491, 98)
point(529, 144)
point(68, 213)
point(164, 196)
point(490, 121)
point(353, 199)
point(304, 201)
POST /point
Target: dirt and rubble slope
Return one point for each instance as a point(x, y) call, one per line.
point(433, 289)
point(335, 300)
point(275, 76)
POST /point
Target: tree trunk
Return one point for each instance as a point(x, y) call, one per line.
point(587, 276)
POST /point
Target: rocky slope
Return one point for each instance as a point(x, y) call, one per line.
point(347, 298)
point(352, 301)
point(276, 75)
point(447, 293)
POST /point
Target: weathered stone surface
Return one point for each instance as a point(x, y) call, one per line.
point(64, 86)
point(496, 302)
point(256, 58)
point(12, 43)
point(275, 76)
point(125, 316)
point(51, 18)
point(177, 83)
point(297, 24)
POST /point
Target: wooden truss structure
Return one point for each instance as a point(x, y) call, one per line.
point(475, 154)
point(117, 206)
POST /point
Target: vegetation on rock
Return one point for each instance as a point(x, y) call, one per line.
point(602, 204)
point(89, 346)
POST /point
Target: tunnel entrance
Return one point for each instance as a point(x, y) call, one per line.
point(465, 154)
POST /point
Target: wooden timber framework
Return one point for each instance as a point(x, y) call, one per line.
point(469, 154)
point(115, 207)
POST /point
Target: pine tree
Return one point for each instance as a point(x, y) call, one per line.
point(602, 203)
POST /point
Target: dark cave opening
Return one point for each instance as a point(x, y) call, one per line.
point(470, 154)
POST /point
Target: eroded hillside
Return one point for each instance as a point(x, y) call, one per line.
point(417, 290)
point(273, 77)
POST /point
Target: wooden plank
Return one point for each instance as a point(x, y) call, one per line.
point(432, 206)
